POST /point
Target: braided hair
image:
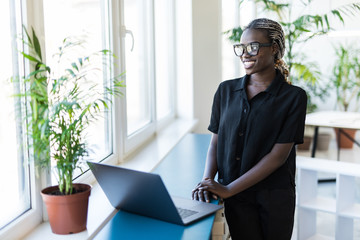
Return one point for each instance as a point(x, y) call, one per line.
point(275, 34)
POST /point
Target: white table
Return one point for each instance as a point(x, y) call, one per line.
point(333, 119)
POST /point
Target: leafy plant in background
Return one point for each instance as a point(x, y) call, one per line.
point(298, 30)
point(63, 103)
point(36, 85)
point(346, 75)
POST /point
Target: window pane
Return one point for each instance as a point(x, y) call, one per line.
point(164, 57)
point(137, 64)
point(14, 175)
point(85, 20)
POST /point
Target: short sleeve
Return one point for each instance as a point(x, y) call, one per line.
point(294, 124)
point(215, 113)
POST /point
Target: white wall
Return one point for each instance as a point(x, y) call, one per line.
point(206, 31)
point(184, 59)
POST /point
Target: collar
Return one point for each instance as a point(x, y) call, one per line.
point(273, 89)
point(276, 84)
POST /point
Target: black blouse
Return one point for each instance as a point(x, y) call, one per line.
point(248, 130)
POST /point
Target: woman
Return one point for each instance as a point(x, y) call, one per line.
point(256, 122)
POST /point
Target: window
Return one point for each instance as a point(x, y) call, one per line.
point(139, 32)
point(148, 30)
point(14, 173)
point(85, 19)
point(138, 58)
point(164, 58)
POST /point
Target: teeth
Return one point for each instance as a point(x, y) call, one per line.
point(248, 64)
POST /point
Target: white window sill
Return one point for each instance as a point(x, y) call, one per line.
point(146, 159)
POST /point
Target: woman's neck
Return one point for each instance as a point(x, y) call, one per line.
point(262, 79)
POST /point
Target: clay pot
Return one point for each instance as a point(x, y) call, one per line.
point(345, 142)
point(323, 141)
point(67, 213)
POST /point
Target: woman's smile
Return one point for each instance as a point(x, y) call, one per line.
point(248, 63)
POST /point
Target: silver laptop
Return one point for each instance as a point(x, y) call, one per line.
point(145, 194)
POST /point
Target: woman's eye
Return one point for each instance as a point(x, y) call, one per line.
point(254, 48)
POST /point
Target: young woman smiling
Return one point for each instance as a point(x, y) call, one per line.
point(256, 122)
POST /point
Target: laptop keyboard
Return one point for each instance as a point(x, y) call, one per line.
point(184, 213)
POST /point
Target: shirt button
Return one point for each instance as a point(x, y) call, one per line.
point(241, 134)
point(238, 158)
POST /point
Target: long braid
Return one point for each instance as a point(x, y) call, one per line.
point(275, 34)
point(283, 68)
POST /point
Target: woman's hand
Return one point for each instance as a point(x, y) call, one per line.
point(216, 188)
point(202, 195)
point(210, 185)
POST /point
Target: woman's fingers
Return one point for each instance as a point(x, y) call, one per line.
point(201, 195)
point(195, 195)
point(202, 191)
point(207, 196)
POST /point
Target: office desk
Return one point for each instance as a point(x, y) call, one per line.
point(333, 119)
point(181, 170)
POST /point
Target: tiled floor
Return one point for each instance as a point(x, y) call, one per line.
point(326, 221)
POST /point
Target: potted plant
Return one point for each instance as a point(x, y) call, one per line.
point(298, 30)
point(63, 102)
point(346, 80)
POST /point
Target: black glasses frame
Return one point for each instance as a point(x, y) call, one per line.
point(248, 48)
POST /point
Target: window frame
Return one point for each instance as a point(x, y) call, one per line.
point(171, 56)
point(131, 142)
point(123, 145)
point(33, 216)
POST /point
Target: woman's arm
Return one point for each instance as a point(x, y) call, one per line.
point(211, 163)
point(260, 171)
point(209, 171)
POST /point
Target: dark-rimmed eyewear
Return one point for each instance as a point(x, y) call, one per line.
point(251, 48)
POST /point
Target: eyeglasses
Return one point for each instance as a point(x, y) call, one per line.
point(251, 48)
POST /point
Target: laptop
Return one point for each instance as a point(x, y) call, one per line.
point(145, 194)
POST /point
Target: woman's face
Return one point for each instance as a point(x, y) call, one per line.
point(264, 60)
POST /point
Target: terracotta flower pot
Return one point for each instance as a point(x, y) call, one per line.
point(345, 142)
point(323, 141)
point(67, 213)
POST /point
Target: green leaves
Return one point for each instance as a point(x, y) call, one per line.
point(346, 75)
point(349, 10)
point(308, 72)
point(64, 101)
point(272, 6)
point(36, 44)
point(31, 58)
point(298, 30)
point(234, 34)
point(37, 117)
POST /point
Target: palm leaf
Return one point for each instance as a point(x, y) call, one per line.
point(36, 42)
